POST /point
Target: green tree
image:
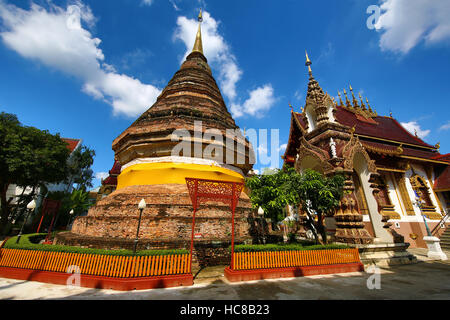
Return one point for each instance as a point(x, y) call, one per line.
point(28, 157)
point(80, 171)
point(318, 196)
point(267, 192)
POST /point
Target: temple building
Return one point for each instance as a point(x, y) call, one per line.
point(181, 135)
point(386, 168)
point(109, 184)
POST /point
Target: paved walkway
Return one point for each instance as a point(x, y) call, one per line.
point(424, 280)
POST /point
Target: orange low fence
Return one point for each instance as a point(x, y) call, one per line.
point(286, 259)
point(95, 264)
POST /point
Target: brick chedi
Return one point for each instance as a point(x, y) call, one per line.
point(188, 132)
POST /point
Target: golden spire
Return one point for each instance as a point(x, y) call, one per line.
point(198, 46)
point(290, 105)
point(355, 102)
point(368, 105)
point(340, 99)
point(308, 63)
point(362, 102)
point(347, 102)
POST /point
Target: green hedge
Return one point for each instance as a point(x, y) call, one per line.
point(285, 247)
point(30, 242)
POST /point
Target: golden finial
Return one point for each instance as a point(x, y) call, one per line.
point(290, 105)
point(198, 46)
point(407, 166)
point(362, 102)
point(390, 114)
point(340, 99)
point(303, 109)
point(368, 105)
point(355, 102)
point(347, 102)
point(308, 63)
point(438, 146)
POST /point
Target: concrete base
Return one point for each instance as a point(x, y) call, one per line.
point(385, 254)
point(260, 274)
point(434, 248)
point(97, 282)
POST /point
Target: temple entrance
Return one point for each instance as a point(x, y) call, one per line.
point(362, 171)
point(203, 191)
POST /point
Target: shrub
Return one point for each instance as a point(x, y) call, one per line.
point(286, 247)
point(30, 242)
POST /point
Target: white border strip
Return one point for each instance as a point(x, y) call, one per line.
point(186, 160)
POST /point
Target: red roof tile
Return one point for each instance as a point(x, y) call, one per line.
point(116, 168)
point(443, 181)
point(382, 127)
point(113, 173)
point(442, 157)
point(71, 143)
point(110, 181)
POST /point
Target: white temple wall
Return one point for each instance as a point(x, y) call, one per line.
point(362, 170)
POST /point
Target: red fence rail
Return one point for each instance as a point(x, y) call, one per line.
point(286, 259)
point(95, 264)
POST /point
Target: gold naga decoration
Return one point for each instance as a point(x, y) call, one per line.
point(360, 108)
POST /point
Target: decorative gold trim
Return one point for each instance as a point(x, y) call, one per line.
point(398, 197)
point(398, 142)
point(390, 170)
point(381, 150)
point(424, 159)
point(400, 179)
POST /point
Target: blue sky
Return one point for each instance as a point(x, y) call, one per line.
point(87, 69)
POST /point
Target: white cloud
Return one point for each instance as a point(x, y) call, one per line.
point(404, 23)
point(262, 150)
point(261, 100)
point(147, 2)
point(282, 147)
point(101, 175)
point(414, 127)
point(57, 38)
point(445, 126)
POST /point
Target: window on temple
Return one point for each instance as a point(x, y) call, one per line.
point(421, 189)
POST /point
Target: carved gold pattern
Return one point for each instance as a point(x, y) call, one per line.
point(400, 179)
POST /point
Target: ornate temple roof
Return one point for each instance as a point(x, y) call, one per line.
point(379, 134)
point(442, 182)
point(378, 127)
point(113, 173)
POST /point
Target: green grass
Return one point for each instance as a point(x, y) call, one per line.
point(31, 242)
point(286, 247)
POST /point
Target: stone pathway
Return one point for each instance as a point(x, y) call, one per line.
point(424, 280)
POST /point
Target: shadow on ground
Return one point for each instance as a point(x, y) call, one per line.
point(424, 280)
